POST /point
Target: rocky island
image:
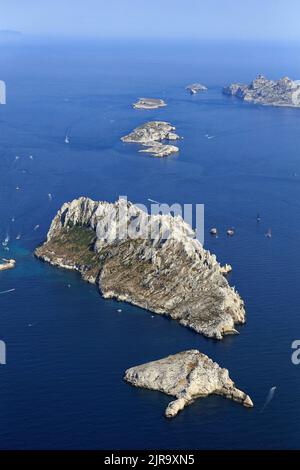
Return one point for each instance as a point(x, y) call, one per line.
point(166, 271)
point(283, 92)
point(149, 103)
point(157, 149)
point(196, 88)
point(8, 264)
point(186, 376)
point(151, 134)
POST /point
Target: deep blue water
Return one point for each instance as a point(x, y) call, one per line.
point(67, 348)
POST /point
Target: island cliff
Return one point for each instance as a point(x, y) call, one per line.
point(171, 275)
point(283, 92)
point(187, 376)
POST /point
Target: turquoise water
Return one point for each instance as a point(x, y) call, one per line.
point(67, 348)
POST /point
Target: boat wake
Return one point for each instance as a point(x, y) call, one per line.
point(7, 291)
point(269, 398)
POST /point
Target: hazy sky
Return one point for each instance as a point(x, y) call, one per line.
point(243, 19)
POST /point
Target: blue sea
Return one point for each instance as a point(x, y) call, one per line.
point(67, 348)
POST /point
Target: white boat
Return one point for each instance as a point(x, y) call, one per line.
point(5, 242)
point(230, 232)
point(269, 233)
point(67, 141)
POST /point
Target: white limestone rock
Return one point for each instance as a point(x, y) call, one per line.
point(157, 149)
point(152, 131)
point(283, 92)
point(195, 88)
point(149, 103)
point(151, 135)
point(164, 269)
point(187, 375)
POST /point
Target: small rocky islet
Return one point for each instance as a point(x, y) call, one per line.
point(151, 136)
point(187, 376)
point(195, 88)
point(7, 264)
point(149, 103)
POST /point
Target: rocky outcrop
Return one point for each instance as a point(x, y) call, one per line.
point(196, 88)
point(226, 269)
point(283, 92)
point(157, 149)
point(152, 261)
point(186, 376)
point(8, 264)
point(149, 103)
point(151, 134)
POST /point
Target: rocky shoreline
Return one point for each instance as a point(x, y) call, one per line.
point(187, 376)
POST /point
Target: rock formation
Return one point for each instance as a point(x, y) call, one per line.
point(8, 264)
point(226, 269)
point(149, 103)
point(151, 134)
point(283, 92)
point(186, 376)
point(196, 88)
point(152, 261)
point(157, 149)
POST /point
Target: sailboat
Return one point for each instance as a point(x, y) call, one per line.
point(67, 141)
point(5, 242)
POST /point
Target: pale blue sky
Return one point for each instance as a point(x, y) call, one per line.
point(219, 19)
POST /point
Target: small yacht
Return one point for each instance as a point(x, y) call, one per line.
point(67, 141)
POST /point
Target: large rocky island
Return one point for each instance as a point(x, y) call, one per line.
point(186, 376)
point(170, 275)
point(283, 92)
point(151, 135)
